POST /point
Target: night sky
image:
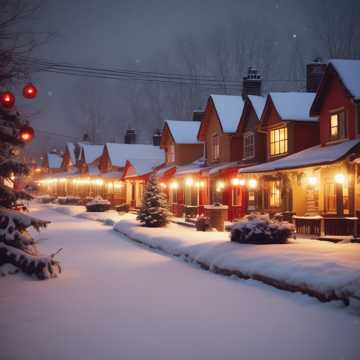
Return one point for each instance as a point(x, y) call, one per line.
point(144, 35)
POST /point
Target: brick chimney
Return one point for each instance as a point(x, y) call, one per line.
point(130, 136)
point(314, 74)
point(251, 83)
point(197, 115)
point(156, 137)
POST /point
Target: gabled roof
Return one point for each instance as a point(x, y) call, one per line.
point(348, 72)
point(258, 104)
point(91, 152)
point(120, 153)
point(229, 109)
point(316, 155)
point(183, 132)
point(292, 106)
point(54, 161)
point(141, 167)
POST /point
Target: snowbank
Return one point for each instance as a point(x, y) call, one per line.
point(107, 217)
point(318, 268)
point(321, 269)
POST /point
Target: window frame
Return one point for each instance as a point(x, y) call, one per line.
point(341, 126)
point(249, 146)
point(215, 147)
point(275, 141)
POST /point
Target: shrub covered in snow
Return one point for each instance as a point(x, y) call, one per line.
point(260, 229)
point(124, 207)
point(46, 199)
point(154, 211)
point(68, 200)
point(98, 204)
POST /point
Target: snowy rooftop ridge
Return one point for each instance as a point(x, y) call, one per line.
point(91, 152)
point(120, 153)
point(54, 161)
point(315, 155)
point(184, 132)
point(258, 103)
point(293, 105)
point(349, 72)
point(229, 109)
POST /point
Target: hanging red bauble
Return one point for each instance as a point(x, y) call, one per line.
point(29, 91)
point(7, 99)
point(26, 133)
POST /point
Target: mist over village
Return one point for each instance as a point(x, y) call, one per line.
point(179, 180)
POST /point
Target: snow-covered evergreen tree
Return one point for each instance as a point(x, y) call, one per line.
point(154, 211)
point(17, 247)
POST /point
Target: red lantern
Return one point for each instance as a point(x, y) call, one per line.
point(29, 91)
point(7, 99)
point(26, 133)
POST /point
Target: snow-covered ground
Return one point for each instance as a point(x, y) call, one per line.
point(117, 300)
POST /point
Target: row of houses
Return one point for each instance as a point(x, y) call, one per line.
point(295, 153)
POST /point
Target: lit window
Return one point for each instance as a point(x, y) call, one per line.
point(249, 145)
point(278, 141)
point(215, 147)
point(171, 153)
point(337, 126)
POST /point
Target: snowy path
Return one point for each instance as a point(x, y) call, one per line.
point(116, 300)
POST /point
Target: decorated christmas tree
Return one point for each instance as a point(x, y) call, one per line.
point(154, 211)
point(17, 247)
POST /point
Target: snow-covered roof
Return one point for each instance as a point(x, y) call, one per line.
point(229, 109)
point(71, 150)
point(195, 167)
point(119, 153)
point(315, 155)
point(54, 161)
point(223, 166)
point(144, 166)
point(293, 105)
point(349, 72)
point(91, 152)
point(163, 170)
point(93, 170)
point(112, 174)
point(258, 103)
point(184, 132)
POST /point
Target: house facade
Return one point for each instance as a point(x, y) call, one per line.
point(319, 184)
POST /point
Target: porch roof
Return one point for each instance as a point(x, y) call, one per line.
point(112, 174)
point(143, 166)
point(316, 155)
point(162, 171)
point(213, 170)
point(193, 168)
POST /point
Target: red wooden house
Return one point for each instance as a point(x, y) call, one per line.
point(223, 152)
point(320, 183)
point(181, 146)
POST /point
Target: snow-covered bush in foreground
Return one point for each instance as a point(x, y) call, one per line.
point(260, 229)
point(98, 204)
point(68, 200)
point(45, 199)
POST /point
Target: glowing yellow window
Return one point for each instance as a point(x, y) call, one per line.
point(278, 141)
point(334, 126)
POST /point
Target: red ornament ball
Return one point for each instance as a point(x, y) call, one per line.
point(29, 91)
point(26, 133)
point(7, 99)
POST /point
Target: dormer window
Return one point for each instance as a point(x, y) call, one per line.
point(278, 141)
point(338, 126)
point(215, 147)
point(171, 153)
point(249, 145)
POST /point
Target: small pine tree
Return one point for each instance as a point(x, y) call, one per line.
point(154, 211)
point(17, 247)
